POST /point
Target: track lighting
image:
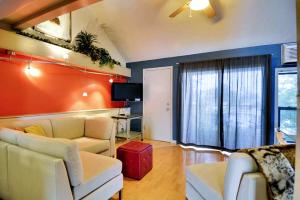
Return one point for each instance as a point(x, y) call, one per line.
point(29, 70)
point(66, 56)
point(111, 80)
point(199, 4)
point(84, 94)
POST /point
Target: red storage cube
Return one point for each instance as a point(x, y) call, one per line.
point(136, 158)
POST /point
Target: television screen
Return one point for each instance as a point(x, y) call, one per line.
point(127, 92)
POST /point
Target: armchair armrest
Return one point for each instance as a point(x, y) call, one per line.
point(238, 165)
point(253, 187)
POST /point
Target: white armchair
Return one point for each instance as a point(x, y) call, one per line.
point(235, 179)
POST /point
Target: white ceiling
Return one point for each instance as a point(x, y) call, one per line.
point(142, 30)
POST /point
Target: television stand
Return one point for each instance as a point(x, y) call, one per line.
point(128, 134)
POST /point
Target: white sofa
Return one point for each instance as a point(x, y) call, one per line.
point(40, 168)
point(236, 179)
point(94, 135)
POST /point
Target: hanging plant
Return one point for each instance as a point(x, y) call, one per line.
point(84, 43)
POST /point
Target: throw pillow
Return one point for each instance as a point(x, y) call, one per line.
point(36, 130)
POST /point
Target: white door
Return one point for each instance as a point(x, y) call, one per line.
point(157, 103)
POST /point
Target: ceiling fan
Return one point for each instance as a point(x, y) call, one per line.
point(197, 5)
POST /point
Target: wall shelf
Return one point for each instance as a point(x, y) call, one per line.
point(35, 48)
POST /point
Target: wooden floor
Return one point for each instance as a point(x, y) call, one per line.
point(166, 181)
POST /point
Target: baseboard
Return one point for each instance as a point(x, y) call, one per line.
point(173, 142)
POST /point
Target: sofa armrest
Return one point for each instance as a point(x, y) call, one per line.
point(103, 128)
point(253, 187)
point(47, 175)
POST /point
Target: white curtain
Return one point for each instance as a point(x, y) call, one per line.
point(200, 113)
point(244, 102)
point(222, 102)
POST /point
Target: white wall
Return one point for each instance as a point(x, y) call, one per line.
point(142, 29)
point(82, 19)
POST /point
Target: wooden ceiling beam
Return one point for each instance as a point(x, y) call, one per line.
point(51, 12)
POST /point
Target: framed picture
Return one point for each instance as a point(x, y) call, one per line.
point(59, 27)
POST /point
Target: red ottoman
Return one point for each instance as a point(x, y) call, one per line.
point(136, 158)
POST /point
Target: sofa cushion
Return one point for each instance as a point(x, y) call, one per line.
point(4, 170)
point(191, 193)
point(99, 127)
point(98, 170)
point(9, 135)
point(69, 127)
point(208, 179)
point(60, 148)
point(44, 123)
point(92, 145)
point(238, 165)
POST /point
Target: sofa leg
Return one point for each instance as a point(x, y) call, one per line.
point(120, 194)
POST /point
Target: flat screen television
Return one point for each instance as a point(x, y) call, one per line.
point(127, 92)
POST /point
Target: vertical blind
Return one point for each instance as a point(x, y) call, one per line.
point(222, 102)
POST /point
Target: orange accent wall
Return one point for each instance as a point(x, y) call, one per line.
point(52, 88)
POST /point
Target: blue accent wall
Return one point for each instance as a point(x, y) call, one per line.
point(137, 74)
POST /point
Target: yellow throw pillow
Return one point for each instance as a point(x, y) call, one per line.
point(35, 129)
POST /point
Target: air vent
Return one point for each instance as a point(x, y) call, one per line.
point(288, 53)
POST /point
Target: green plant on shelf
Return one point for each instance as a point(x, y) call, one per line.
point(84, 43)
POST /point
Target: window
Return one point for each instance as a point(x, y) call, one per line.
point(287, 100)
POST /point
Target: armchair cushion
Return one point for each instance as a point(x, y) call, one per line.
point(208, 179)
point(99, 128)
point(92, 145)
point(59, 148)
point(98, 170)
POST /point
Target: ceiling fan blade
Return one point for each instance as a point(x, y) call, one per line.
point(179, 10)
point(209, 11)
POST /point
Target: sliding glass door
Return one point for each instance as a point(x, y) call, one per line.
point(200, 103)
point(244, 103)
point(223, 102)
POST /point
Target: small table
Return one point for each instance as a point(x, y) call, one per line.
point(128, 134)
point(279, 137)
point(283, 138)
point(137, 159)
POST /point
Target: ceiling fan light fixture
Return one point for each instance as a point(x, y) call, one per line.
point(199, 4)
